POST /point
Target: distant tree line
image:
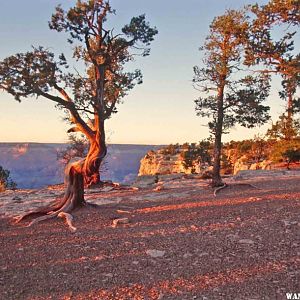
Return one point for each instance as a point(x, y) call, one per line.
point(252, 151)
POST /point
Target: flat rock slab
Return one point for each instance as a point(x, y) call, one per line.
point(145, 181)
point(246, 242)
point(155, 253)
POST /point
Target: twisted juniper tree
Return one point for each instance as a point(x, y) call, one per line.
point(228, 96)
point(89, 98)
point(276, 53)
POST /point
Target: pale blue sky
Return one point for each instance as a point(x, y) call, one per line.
point(161, 110)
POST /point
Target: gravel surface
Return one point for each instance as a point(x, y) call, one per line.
point(179, 242)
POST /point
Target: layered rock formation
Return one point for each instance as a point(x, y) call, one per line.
point(170, 160)
point(242, 164)
point(161, 163)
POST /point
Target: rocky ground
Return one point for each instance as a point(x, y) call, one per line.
point(178, 241)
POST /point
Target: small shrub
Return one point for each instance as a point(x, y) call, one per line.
point(291, 155)
point(170, 150)
point(5, 181)
point(281, 149)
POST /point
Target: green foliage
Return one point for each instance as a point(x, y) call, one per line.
point(276, 53)
point(290, 78)
point(284, 129)
point(193, 154)
point(190, 157)
point(259, 149)
point(99, 47)
point(205, 152)
point(32, 73)
point(171, 149)
point(256, 149)
point(278, 12)
point(78, 146)
point(93, 94)
point(226, 165)
point(292, 155)
point(232, 100)
point(229, 96)
point(264, 47)
point(282, 149)
point(5, 181)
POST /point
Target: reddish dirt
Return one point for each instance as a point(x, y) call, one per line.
point(243, 244)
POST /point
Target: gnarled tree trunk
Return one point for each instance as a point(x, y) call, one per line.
point(94, 158)
point(77, 174)
point(74, 180)
point(73, 197)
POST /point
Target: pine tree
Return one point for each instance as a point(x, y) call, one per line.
point(228, 97)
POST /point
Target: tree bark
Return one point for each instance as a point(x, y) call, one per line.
point(288, 165)
point(94, 158)
point(290, 106)
point(98, 149)
point(74, 179)
point(289, 124)
point(73, 197)
point(77, 174)
point(216, 177)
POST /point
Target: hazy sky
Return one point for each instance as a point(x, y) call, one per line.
point(161, 110)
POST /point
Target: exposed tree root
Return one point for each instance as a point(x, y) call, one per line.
point(68, 219)
point(220, 188)
point(73, 198)
point(226, 185)
point(66, 216)
point(39, 211)
point(42, 218)
point(248, 184)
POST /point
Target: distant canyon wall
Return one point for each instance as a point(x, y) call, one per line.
point(35, 165)
point(161, 163)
